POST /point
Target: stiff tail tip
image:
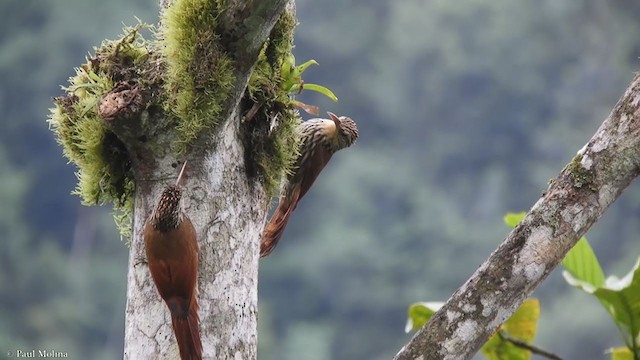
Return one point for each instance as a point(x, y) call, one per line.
point(270, 238)
point(275, 227)
point(188, 335)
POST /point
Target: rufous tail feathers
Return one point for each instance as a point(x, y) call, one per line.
point(275, 227)
point(187, 332)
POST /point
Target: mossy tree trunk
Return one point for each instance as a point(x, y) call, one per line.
point(138, 109)
point(226, 205)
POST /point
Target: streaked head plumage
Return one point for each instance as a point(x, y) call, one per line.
point(167, 214)
point(347, 130)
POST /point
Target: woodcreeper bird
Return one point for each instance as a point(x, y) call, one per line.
point(172, 255)
point(320, 139)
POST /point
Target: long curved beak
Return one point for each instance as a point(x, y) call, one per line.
point(181, 175)
point(335, 118)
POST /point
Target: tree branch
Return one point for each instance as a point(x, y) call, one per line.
point(245, 26)
point(534, 349)
point(574, 201)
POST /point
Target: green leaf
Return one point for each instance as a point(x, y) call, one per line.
point(512, 219)
point(289, 86)
point(524, 322)
point(296, 73)
point(314, 87)
point(621, 298)
point(419, 313)
point(294, 77)
point(304, 66)
point(522, 325)
point(621, 353)
point(582, 263)
point(287, 67)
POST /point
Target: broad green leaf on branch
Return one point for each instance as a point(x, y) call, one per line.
point(621, 353)
point(581, 262)
point(512, 219)
point(621, 298)
point(419, 313)
point(522, 325)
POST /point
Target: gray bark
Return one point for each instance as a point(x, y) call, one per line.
point(227, 212)
point(574, 201)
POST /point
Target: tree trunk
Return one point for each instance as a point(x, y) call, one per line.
point(228, 215)
point(574, 201)
point(227, 208)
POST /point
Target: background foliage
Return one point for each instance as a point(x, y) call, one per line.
point(466, 109)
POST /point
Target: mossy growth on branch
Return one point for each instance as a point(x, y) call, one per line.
point(200, 73)
point(104, 167)
point(270, 119)
point(581, 176)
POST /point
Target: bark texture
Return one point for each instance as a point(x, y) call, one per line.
point(227, 211)
point(574, 201)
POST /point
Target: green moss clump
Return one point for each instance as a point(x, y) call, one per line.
point(270, 121)
point(581, 176)
point(104, 167)
point(199, 72)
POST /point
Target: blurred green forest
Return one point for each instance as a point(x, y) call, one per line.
point(466, 109)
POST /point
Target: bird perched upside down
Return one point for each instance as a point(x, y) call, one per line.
point(172, 254)
point(320, 139)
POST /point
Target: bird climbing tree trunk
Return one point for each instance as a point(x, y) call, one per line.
point(574, 201)
point(139, 108)
point(225, 203)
